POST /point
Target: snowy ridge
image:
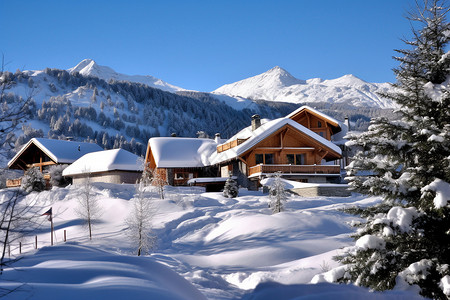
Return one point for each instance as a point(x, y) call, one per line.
point(278, 85)
point(89, 67)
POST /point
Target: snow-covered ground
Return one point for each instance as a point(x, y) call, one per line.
point(208, 247)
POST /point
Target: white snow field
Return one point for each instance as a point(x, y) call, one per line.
point(209, 247)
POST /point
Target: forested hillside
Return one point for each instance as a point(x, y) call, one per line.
point(126, 114)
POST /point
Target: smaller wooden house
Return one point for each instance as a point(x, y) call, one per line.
point(111, 166)
point(178, 159)
point(43, 153)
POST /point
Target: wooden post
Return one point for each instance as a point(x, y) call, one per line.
point(35, 242)
point(65, 237)
point(9, 250)
point(20, 247)
point(51, 229)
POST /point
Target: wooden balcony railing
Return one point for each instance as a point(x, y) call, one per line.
point(18, 181)
point(230, 145)
point(298, 169)
point(14, 182)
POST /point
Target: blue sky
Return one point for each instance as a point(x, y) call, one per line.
point(202, 45)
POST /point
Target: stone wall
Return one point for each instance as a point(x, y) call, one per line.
point(323, 190)
point(109, 177)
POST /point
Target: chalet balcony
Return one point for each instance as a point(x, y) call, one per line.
point(18, 181)
point(295, 169)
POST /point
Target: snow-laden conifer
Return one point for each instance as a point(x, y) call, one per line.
point(33, 180)
point(56, 177)
point(277, 194)
point(407, 163)
point(231, 188)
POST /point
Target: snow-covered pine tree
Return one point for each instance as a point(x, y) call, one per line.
point(33, 180)
point(406, 239)
point(56, 177)
point(231, 188)
point(277, 194)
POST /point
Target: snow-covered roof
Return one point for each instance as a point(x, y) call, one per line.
point(103, 161)
point(60, 151)
point(261, 133)
point(178, 152)
point(330, 119)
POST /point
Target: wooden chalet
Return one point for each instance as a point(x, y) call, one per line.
point(43, 153)
point(298, 145)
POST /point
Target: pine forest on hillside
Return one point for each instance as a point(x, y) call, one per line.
point(123, 114)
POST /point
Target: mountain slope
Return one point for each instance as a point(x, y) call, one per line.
point(118, 113)
point(89, 67)
point(278, 85)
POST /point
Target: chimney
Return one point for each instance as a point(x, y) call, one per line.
point(217, 138)
point(347, 122)
point(256, 122)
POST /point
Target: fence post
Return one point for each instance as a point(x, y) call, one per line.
point(20, 247)
point(65, 237)
point(35, 242)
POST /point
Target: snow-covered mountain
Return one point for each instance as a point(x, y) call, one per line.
point(278, 85)
point(89, 67)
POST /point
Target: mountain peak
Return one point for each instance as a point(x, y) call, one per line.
point(88, 67)
point(280, 77)
point(83, 64)
point(277, 84)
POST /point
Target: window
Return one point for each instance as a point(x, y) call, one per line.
point(290, 159)
point(299, 159)
point(259, 158)
point(264, 159)
point(268, 159)
point(319, 124)
point(295, 159)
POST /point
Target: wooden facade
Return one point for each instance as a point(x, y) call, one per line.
point(315, 122)
point(32, 157)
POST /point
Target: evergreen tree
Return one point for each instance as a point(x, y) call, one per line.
point(406, 238)
point(33, 180)
point(277, 194)
point(231, 189)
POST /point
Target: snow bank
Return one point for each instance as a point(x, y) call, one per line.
point(224, 247)
point(272, 290)
point(80, 272)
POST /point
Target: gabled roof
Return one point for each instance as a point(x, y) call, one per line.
point(59, 151)
point(103, 161)
point(178, 152)
point(261, 133)
point(333, 121)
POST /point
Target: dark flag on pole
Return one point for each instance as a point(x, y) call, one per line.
point(48, 213)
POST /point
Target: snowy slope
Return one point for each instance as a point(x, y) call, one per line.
point(278, 85)
point(224, 247)
point(89, 67)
